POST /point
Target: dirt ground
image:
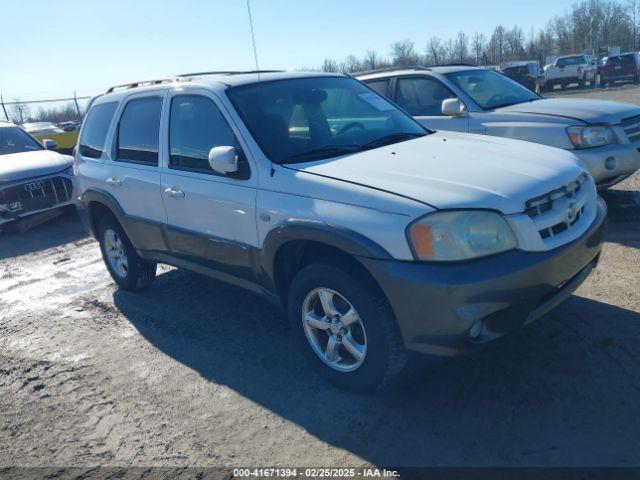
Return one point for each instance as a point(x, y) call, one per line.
point(196, 373)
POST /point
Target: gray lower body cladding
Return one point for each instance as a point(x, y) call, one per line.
point(436, 306)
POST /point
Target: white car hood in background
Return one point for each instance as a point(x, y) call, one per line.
point(18, 166)
point(457, 170)
point(589, 111)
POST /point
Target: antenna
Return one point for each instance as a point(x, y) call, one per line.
point(253, 37)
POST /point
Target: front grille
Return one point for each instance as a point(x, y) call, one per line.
point(631, 127)
point(557, 211)
point(34, 195)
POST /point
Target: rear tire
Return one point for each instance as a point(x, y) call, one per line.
point(323, 296)
point(126, 267)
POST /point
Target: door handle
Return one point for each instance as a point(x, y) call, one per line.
point(114, 182)
point(174, 192)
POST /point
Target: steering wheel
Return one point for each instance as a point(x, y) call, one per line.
point(349, 126)
point(495, 98)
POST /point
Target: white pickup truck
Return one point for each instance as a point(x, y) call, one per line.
point(570, 69)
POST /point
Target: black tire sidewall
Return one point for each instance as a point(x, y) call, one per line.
point(376, 317)
point(135, 264)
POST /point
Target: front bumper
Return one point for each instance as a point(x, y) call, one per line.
point(606, 172)
point(50, 192)
point(436, 305)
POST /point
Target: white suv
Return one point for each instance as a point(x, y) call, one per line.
point(376, 235)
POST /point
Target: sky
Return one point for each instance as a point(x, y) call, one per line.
point(51, 48)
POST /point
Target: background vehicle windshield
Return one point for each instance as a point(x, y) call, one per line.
point(620, 60)
point(568, 61)
point(313, 118)
point(14, 140)
point(490, 89)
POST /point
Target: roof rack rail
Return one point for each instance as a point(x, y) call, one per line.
point(182, 78)
point(144, 83)
point(390, 69)
point(225, 72)
point(459, 64)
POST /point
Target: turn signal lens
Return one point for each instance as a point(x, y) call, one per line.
point(422, 240)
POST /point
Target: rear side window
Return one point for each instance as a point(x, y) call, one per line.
point(195, 127)
point(380, 86)
point(96, 126)
point(422, 95)
point(138, 131)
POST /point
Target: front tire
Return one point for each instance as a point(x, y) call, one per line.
point(345, 327)
point(126, 267)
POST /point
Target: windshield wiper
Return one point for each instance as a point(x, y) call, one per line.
point(327, 151)
point(392, 138)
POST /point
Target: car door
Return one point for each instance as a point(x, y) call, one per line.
point(132, 173)
point(422, 97)
point(92, 146)
point(211, 217)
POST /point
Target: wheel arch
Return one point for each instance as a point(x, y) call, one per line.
point(98, 203)
point(296, 243)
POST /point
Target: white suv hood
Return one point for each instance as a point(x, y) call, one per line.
point(19, 166)
point(457, 170)
point(586, 110)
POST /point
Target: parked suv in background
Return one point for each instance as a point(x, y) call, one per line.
point(526, 74)
point(625, 67)
point(33, 179)
point(376, 235)
point(604, 135)
point(570, 69)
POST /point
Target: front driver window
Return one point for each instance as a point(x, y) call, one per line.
point(196, 126)
point(422, 96)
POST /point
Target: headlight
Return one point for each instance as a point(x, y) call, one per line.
point(589, 137)
point(460, 235)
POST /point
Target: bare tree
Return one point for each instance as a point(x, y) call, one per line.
point(403, 53)
point(478, 45)
point(633, 12)
point(329, 65)
point(515, 43)
point(586, 27)
point(20, 112)
point(461, 48)
point(435, 52)
point(372, 60)
point(449, 49)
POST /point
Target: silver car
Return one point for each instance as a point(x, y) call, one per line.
point(604, 135)
point(33, 179)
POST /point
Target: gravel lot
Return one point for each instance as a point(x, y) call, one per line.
point(197, 373)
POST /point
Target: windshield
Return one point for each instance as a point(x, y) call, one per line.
point(568, 61)
point(14, 140)
point(622, 59)
point(298, 120)
point(490, 89)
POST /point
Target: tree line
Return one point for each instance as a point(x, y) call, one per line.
point(587, 27)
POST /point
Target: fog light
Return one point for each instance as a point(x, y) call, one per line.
point(610, 163)
point(475, 330)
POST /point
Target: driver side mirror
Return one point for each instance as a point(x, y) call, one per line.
point(49, 144)
point(223, 160)
point(453, 107)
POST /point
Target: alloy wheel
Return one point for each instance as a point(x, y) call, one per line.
point(115, 252)
point(334, 329)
